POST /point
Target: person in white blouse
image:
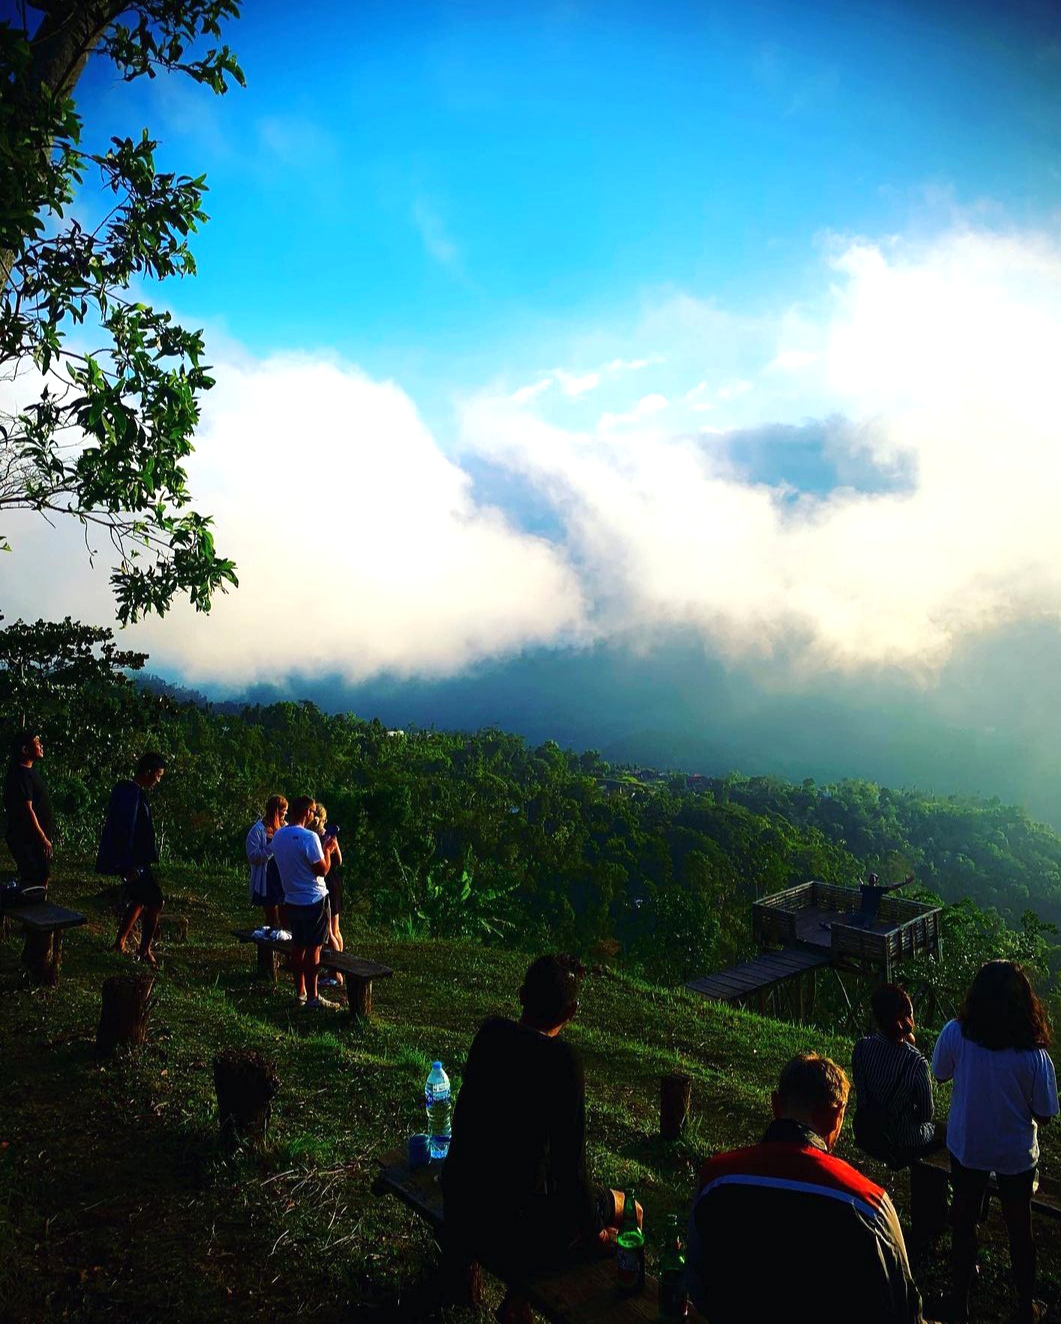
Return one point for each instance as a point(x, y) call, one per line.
point(1005, 1088)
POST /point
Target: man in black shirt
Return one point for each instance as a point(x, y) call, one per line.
point(516, 1190)
point(30, 827)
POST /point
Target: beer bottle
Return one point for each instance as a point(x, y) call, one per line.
point(673, 1298)
point(630, 1248)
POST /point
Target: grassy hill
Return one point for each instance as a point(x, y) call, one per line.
point(116, 1203)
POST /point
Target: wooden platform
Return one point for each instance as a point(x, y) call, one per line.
point(751, 978)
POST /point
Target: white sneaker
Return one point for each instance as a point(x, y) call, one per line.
point(321, 1004)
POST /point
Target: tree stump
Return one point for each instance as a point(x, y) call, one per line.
point(245, 1083)
point(359, 995)
point(675, 1095)
point(124, 1013)
point(42, 955)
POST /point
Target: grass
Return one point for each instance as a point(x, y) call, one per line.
point(118, 1204)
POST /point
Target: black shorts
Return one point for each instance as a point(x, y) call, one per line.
point(1011, 1185)
point(34, 867)
point(308, 924)
point(144, 890)
point(335, 894)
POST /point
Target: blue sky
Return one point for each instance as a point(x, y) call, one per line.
point(553, 326)
point(437, 190)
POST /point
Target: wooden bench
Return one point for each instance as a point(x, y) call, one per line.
point(357, 972)
point(929, 1196)
point(43, 925)
point(585, 1293)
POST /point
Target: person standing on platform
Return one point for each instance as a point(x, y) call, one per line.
point(30, 827)
point(127, 848)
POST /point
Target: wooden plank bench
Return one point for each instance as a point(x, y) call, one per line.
point(43, 925)
point(585, 1293)
point(356, 971)
point(929, 1196)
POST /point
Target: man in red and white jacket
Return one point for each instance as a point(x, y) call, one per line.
point(782, 1230)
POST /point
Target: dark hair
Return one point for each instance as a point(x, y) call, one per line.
point(1001, 1009)
point(891, 1005)
point(298, 806)
point(21, 740)
point(550, 990)
point(150, 761)
point(811, 1083)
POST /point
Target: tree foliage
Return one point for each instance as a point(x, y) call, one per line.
point(106, 387)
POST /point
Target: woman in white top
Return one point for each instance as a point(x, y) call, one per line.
point(1004, 1089)
point(266, 890)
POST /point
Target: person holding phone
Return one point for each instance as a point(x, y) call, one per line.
point(329, 832)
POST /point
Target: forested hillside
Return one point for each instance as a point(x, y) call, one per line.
point(479, 834)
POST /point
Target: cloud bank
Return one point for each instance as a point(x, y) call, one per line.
point(924, 374)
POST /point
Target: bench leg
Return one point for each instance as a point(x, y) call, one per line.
point(928, 1203)
point(267, 961)
point(43, 955)
point(359, 995)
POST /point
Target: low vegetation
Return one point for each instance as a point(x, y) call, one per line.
point(117, 1202)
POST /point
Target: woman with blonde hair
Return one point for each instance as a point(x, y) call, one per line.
point(334, 881)
point(1005, 1088)
point(266, 889)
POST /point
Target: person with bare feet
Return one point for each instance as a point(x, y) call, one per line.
point(303, 860)
point(127, 848)
point(516, 1190)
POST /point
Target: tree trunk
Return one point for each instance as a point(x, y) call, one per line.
point(245, 1083)
point(43, 955)
point(60, 48)
point(124, 1013)
point(675, 1095)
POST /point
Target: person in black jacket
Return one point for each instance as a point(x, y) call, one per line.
point(813, 1219)
point(127, 848)
point(516, 1190)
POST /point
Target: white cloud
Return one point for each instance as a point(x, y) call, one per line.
point(943, 357)
point(363, 549)
point(360, 547)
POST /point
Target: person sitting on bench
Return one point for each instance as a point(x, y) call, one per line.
point(516, 1190)
point(893, 1118)
point(819, 1224)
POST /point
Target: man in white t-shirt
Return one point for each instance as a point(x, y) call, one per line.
point(303, 862)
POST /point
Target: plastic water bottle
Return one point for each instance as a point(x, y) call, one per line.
point(439, 1111)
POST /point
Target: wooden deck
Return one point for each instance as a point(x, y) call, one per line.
point(764, 972)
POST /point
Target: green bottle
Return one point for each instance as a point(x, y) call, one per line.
point(630, 1248)
point(673, 1298)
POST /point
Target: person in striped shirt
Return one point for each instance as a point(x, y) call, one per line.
point(894, 1116)
point(784, 1230)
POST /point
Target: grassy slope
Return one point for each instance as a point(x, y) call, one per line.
point(115, 1203)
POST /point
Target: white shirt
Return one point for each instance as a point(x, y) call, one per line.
point(296, 850)
point(996, 1091)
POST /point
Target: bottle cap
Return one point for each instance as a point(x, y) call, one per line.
point(436, 1066)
